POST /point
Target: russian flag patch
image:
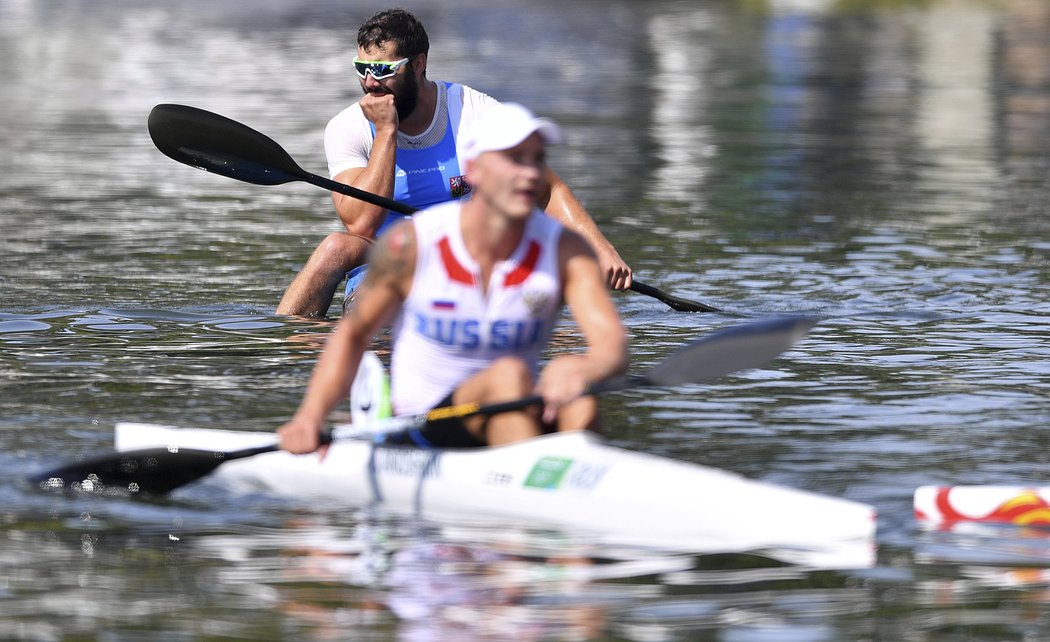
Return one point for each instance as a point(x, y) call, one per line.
point(444, 304)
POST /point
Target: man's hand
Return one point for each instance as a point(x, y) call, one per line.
point(562, 381)
point(301, 436)
point(615, 270)
point(379, 109)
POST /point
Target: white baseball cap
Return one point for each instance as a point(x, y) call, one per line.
point(503, 126)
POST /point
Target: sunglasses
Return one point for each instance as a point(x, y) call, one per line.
point(379, 69)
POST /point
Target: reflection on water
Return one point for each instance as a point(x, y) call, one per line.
point(682, 140)
point(420, 583)
point(881, 165)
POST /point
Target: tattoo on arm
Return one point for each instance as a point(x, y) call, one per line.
point(392, 258)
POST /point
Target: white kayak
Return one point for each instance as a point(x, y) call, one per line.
point(1022, 505)
point(570, 481)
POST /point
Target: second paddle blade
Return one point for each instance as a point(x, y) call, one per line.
point(737, 348)
point(153, 471)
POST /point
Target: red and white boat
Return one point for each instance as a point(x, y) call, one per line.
point(1021, 505)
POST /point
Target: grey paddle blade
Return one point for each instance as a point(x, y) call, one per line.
point(738, 348)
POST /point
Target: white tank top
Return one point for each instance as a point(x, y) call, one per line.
point(449, 329)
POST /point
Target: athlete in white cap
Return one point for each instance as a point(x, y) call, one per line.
point(473, 288)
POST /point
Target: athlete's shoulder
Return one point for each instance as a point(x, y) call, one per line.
point(570, 243)
point(347, 116)
point(347, 140)
point(434, 221)
point(393, 254)
point(542, 223)
point(474, 101)
point(475, 94)
point(438, 212)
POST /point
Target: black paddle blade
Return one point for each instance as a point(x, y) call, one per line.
point(153, 471)
point(738, 348)
point(214, 143)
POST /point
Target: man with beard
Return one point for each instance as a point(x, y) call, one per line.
point(402, 141)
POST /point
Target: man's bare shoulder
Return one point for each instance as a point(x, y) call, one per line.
point(572, 244)
point(393, 257)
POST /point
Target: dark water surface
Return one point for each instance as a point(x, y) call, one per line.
point(882, 164)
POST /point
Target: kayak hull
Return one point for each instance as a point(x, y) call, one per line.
point(571, 481)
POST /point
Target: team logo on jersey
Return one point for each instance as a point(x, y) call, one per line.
point(458, 186)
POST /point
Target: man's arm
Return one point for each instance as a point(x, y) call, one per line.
point(563, 206)
point(377, 177)
point(566, 376)
point(361, 217)
point(392, 261)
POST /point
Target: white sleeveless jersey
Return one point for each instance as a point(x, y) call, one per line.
point(449, 329)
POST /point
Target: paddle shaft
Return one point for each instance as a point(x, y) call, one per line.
point(470, 409)
point(361, 195)
point(676, 303)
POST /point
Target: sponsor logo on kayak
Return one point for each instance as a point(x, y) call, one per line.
point(548, 472)
point(553, 473)
point(498, 478)
point(408, 462)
